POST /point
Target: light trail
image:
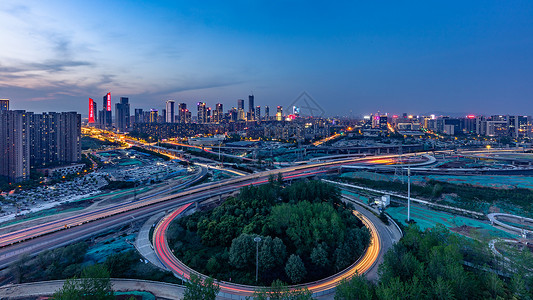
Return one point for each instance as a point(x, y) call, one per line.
point(228, 184)
point(173, 264)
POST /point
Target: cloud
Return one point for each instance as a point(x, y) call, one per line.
point(58, 65)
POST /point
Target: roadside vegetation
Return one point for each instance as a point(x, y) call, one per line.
point(70, 261)
point(438, 264)
point(89, 143)
point(467, 196)
point(306, 232)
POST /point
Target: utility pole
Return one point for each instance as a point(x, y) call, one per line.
point(257, 240)
point(408, 193)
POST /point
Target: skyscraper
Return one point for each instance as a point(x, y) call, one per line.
point(69, 141)
point(218, 114)
point(4, 104)
point(106, 118)
point(240, 110)
point(14, 145)
point(92, 111)
point(182, 109)
point(258, 113)
point(267, 113)
point(169, 113)
point(202, 112)
point(122, 114)
point(251, 108)
point(279, 113)
point(138, 115)
point(154, 114)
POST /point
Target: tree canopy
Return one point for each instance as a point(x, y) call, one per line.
point(305, 220)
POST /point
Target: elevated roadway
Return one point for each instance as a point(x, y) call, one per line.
point(35, 239)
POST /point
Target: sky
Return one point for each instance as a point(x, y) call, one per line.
point(351, 57)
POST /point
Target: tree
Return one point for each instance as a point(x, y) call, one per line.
point(198, 289)
point(319, 256)
point(272, 253)
point(242, 251)
point(93, 284)
point(295, 269)
point(357, 288)
point(280, 291)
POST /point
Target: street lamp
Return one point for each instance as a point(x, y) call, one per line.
point(257, 240)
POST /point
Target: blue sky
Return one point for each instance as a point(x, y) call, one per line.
point(415, 57)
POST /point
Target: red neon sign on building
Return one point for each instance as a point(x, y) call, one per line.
point(108, 101)
point(91, 111)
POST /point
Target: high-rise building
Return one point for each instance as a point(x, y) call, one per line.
point(138, 116)
point(69, 145)
point(122, 115)
point(106, 118)
point(44, 139)
point(169, 111)
point(267, 113)
point(55, 138)
point(279, 113)
point(4, 104)
point(92, 111)
point(218, 113)
point(14, 145)
point(188, 116)
point(258, 113)
point(182, 108)
point(240, 110)
point(154, 114)
point(232, 114)
point(251, 108)
point(202, 112)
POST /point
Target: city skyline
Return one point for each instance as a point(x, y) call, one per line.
point(418, 57)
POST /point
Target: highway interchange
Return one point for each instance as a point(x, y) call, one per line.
point(35, 239)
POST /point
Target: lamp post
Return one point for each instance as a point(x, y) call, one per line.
point(408, 193)
point(257, 240)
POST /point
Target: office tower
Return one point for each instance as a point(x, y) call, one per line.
point(251, 108)
point(14, 145)
point(218, 114)
point(182, 108)
point(267, 113)
point(258, 113)
point(202, 112)
point(187, 116)
point(122, 115)
point(154, 114)
point(4, 104)
point(169, 111)
point(106, 118)
point(93, 109)
point(232, 114)
point(138, 116)
point(279, 113)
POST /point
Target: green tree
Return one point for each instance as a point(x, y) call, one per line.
point(280, 291)
point(295, 269)
point(198, 289)
point(357, 288)
point(319, 256)
point(94, 283)
point(69, 291)
point(272, 253)
point(242, 251)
